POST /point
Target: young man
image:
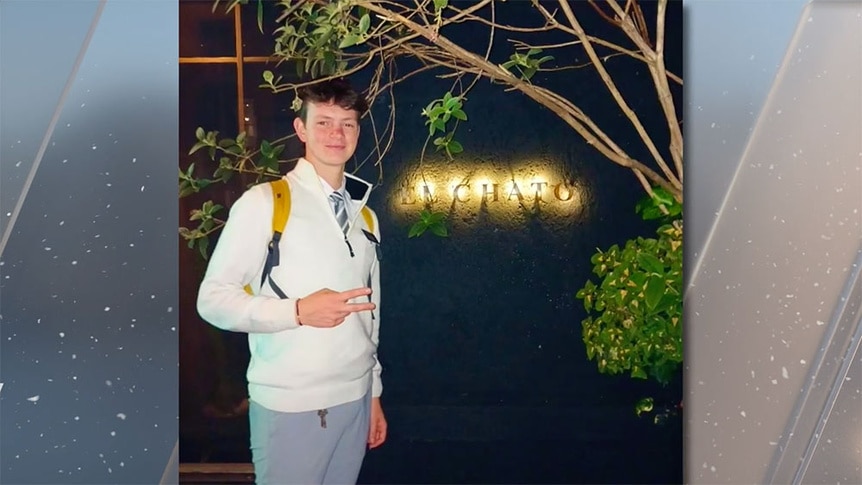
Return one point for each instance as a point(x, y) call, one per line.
point(314, 377)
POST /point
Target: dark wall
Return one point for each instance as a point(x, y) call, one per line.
point(485, 373)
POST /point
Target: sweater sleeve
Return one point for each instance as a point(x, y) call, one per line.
point(377, 382)
point(236, 261)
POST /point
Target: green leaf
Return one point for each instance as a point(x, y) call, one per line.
point(417, 229)
point(203, 245)
point(364, 24)
point(451, 103)
point(650, 263)
point(436, 112)
point(437, 217)
point(644, 405)
point(267, 76)
point(440, 4)
point(199, 133)
point(439, 229)
point(349, 40)
point(439, 125)
point(459, 114)
point(455, 147)
point(265, 149)
point(197, 146)
point(654, 291)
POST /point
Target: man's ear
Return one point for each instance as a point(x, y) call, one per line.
point(299, 127)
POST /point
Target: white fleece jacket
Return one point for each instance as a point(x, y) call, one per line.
point(297, 368)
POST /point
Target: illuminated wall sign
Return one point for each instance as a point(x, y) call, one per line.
point(488, 191)
point(504, 193)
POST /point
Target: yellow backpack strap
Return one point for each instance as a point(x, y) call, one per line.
point(280, 214)
point(281, 205)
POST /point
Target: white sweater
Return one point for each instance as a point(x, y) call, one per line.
point(297, 368)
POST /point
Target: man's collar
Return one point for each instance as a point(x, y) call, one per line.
point(354, 186)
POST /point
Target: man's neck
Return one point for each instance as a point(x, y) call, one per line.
point(334, 176)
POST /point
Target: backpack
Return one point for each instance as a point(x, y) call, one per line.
point(280, 214)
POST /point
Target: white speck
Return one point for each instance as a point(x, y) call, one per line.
point(77, 418)
point(751, 57)
point(121, 416)
point(773, 443)
point(772, 358)
point(742, 413)
point(108, 383)
point(107, 308)
point(810, 19)
point(170, 309)
point(134, 160)
point(142, 188)
point(712, 468)
point(83, 104)
point(62, 334)
point(712, 125)
point(47, 249)
point(821, 323)
point(784, 373)
point(752, 374)
point(778, 112)
point(94, 147)
point(775, 381)
point(65, 160)
point(34, 398)
point(74, 263)
point(113, 433)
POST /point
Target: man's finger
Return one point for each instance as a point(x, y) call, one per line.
point(355, 293)
point(359, 307)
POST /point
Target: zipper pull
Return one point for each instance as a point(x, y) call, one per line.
point(349, 246)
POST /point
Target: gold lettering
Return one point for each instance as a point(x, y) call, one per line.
point(426, 193)
point(569, 193)
point(539, 188)
point(485, 192)
point(515, 191)
point(407, 196)
point(456, 195)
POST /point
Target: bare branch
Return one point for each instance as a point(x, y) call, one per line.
point(630, 114)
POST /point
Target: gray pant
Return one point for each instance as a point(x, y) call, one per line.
point(294, 448)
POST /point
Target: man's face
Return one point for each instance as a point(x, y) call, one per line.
point(330, 134)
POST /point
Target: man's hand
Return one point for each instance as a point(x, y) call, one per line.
point(377, 430)
point(326, 308)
